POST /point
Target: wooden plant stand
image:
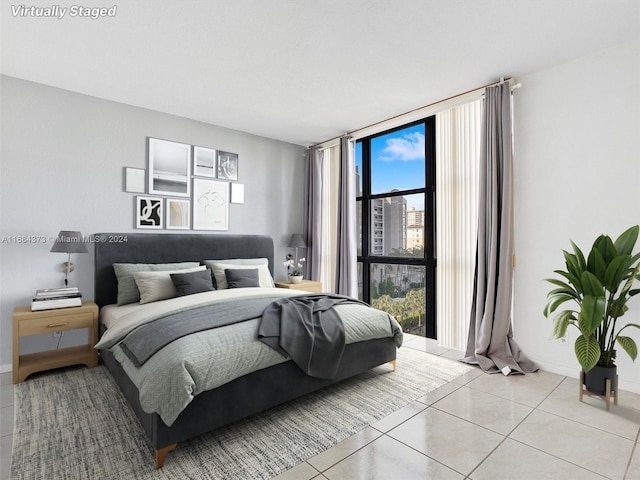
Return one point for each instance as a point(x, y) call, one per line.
point(606, 397)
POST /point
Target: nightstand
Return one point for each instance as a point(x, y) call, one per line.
point(26, 322)
point(306, 285)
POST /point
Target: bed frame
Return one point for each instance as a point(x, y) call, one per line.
point(242, 397)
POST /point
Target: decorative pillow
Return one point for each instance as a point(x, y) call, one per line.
point(218, 267)
point(127, 289)
point(193, 282)
point(154, 286)
point(242, 277)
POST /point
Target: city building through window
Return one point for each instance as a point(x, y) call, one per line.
point(395, 194)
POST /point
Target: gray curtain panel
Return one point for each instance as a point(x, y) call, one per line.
point(490, 342)
point(347, 267)
point(313, 223)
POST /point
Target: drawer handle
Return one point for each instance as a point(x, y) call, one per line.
point(62, 324)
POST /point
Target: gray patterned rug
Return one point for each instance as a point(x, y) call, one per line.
point(75, 424)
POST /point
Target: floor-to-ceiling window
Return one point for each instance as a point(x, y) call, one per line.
point(396, 216)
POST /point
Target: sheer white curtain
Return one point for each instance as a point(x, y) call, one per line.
point(458, 139)
point(347, 268)
point(331, 174)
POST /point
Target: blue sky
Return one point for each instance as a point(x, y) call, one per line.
point(397, 162)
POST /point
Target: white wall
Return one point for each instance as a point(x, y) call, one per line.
point(577, 174)
point(62, 159)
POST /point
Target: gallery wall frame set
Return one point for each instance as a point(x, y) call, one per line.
point(176, 169)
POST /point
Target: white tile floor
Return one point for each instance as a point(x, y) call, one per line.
point(477, 427)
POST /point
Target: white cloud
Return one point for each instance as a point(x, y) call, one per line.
point(405, 149)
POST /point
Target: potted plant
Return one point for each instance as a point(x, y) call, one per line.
point(598, 287)
point(294, 269)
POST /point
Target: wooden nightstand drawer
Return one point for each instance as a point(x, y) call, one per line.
point(50, 324)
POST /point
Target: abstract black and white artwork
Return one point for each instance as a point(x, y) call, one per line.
point(148, 212)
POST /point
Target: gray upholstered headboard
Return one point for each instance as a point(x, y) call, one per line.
point(113, 248)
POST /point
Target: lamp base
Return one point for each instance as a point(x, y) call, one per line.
point(66, 267)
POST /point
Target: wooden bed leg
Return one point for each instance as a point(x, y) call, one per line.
point(162, 452)
point(393, 364)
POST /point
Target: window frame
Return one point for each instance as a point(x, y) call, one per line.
point(429, 261)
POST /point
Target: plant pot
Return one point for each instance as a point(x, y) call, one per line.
point(295, 278)
point(595, 380)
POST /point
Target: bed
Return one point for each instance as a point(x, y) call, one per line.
point(248, 394)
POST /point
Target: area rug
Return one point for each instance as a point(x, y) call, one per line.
point(75, 424)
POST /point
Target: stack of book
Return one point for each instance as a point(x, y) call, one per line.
point(51, 298)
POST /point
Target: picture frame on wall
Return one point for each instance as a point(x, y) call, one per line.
point(169, 168)
point(178, 214)
point(237, 193)
point(204, 162)
point(134, 180)
point(148, 212)
point(210, 204)
point(227, 168)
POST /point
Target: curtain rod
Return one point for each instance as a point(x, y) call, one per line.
point(502, 80)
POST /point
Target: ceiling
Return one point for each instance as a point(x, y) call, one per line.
point(303, 71)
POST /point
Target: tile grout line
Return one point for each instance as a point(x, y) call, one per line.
point(315, 474)
point(508, 435)
point(565, 418)
point(588, 425)
point(384, 434)
point(633, 450)
point(352, 453)
point(422, 453)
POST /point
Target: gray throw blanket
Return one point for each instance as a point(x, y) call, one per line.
point(140, 344)
point(308, 330)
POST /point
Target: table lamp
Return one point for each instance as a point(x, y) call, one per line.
point(69, 242)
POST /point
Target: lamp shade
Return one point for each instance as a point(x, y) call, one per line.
point(69, 242)
point(297, 241)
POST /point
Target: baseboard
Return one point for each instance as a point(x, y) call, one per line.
point(557, 368)
point(625, 383)
point(5, 368)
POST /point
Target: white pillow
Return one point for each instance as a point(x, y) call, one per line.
point(262, 264)
point(127, 289)
point(156, 286)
